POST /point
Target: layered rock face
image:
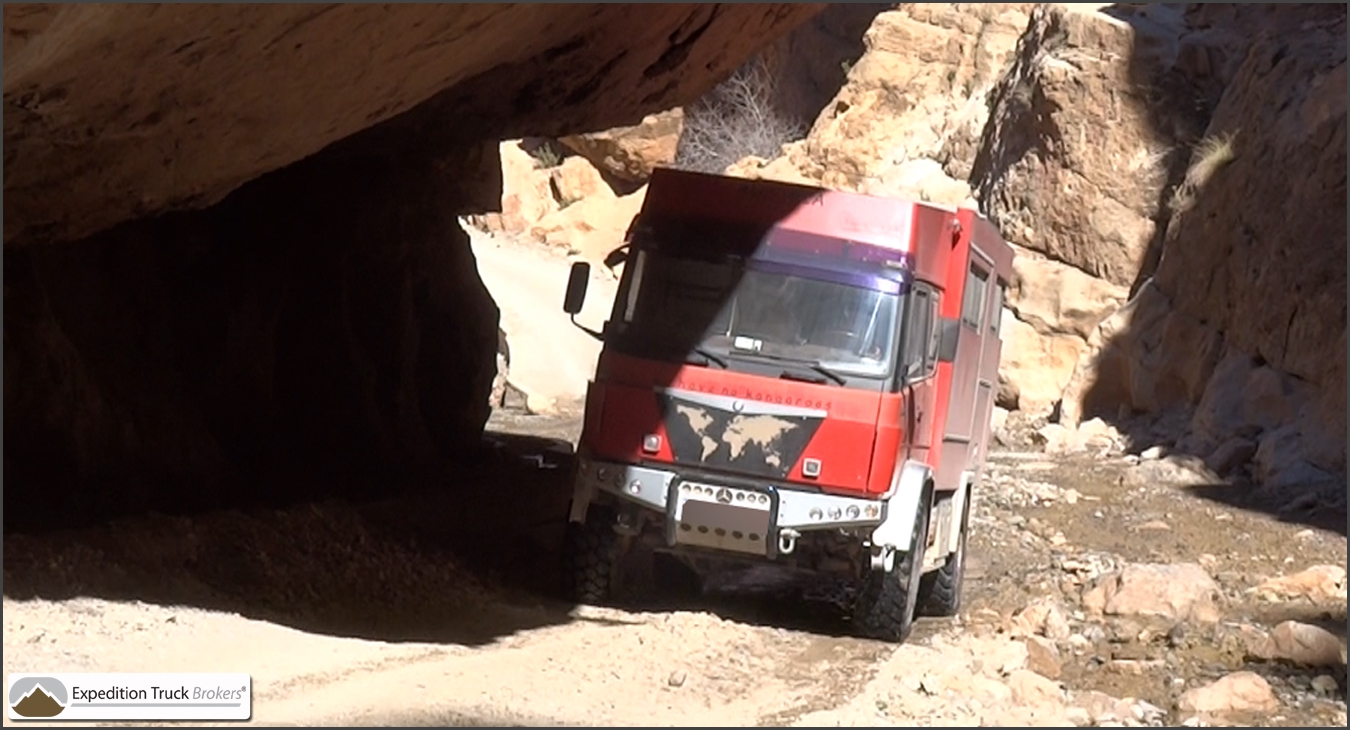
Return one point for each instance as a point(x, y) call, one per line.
point(920, 85)
point(323, 324)
point(112, 112)
point(1245, 315)
point(1172, 177)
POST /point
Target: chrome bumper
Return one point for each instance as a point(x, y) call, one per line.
point(726, 516)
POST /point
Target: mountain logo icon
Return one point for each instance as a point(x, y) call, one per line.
point(38, 697)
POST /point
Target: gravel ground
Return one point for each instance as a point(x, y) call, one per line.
point(447, 600)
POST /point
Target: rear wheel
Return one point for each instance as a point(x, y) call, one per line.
point(940, 590)
point(888, 599)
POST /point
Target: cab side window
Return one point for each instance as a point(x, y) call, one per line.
point(1000, 301)
point(921, 334)
point(972, 304)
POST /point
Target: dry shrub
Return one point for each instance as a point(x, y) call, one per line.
point(738, 118)
point(1210, 156)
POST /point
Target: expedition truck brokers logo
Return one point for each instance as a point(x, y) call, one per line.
point(76, 697)
point(38, 697)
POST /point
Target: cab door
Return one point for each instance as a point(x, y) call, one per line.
point(918, 365)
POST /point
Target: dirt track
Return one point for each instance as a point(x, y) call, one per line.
point(439, 608)
point(335, 609)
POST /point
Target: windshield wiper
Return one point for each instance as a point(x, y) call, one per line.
point(710, 357)
point(832, 375)
point(812, 364)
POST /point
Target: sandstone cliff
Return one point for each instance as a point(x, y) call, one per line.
point(1173, 179)
point(321, 323)
point(113, 112)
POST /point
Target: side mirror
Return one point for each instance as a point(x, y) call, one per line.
point(617, 256)
point(949, 332)
point(577, 282)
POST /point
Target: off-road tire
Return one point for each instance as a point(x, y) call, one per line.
point(888, 599)
point(592, 553)
point(940, 590)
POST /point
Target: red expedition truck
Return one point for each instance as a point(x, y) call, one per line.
point(795, 375)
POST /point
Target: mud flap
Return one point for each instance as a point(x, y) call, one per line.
point(583, 492)
point(959, 500)
point(895, 533)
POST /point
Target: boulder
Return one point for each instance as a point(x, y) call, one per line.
point(1063, 306)
point(1236, 692)
point(1320, 584)
point(591, 227)
point(1038, 367)
point(781, 169)
point(527, 196)
point(577, 179)
point(919, 179)
point(631, 153)
point(1181, 592)
point(920, 81)
point(1231, 455)
point(1058, 299)
point(1043, 657)
point(1101, 708)
point(1304, 644)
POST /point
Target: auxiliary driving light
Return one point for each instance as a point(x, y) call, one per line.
point(635, 487)
point(836, 513)
point(811, 468)
point(651, 443)
point(853, 511)
point(602, 474)
point(816, 513)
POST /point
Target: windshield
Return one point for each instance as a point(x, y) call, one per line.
point(672, 306)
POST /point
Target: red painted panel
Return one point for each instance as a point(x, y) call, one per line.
point(845, 441)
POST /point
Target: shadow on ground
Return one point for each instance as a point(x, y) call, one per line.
point(475, 560)
point(428, 567)
point(1319, 506)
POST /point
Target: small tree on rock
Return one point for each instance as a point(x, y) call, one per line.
point(737, 118)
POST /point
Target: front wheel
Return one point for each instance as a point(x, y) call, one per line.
point(940, 590)
point(604, 568)
point(593, 552)
point(889, 599)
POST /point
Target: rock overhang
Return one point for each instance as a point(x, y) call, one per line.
point(115, 112)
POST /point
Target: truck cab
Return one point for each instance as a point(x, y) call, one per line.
point(793, 375)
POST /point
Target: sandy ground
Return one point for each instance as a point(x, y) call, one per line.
point(440, 608)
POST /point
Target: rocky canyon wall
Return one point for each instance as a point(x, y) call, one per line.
point(231, 237)
point(1173, 179)
point(1245, 315)
point(320, 330)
